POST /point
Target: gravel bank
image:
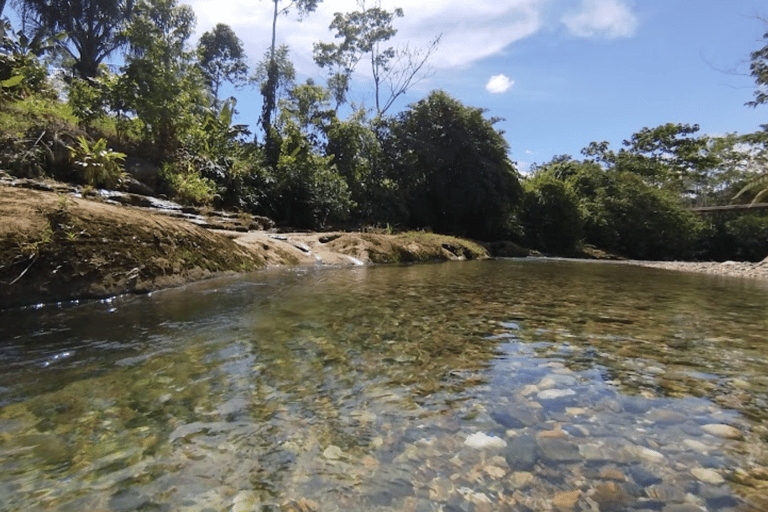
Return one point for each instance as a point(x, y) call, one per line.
point(728, 268)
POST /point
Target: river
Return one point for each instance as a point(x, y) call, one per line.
point(517, 385)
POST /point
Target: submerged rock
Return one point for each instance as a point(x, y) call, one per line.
point(480, 440)
point(558, 449)
point(708, 476)
point(722, 430)
point(521, 453)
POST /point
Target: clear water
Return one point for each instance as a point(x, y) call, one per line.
point(525, 385)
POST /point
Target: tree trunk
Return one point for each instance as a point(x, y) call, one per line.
point(269, 92)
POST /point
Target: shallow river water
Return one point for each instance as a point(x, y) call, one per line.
point(520, 385)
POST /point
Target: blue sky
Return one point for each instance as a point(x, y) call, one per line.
point(562, 73)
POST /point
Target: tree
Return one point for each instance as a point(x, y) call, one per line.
point(309, 191)
point(453, 168)
point(669, 156)
point(286, 74)
point(308, 107)
point(550, 214)
point(357, 156)
point(740, 157)
point(222, 59)
point(363, 33)
point(160, 83)
point(759, 70)
point(94, 28)
point(270, 86)
point(22, 72)
point(622, 213)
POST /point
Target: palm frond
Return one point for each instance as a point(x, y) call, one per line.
point(760, 180)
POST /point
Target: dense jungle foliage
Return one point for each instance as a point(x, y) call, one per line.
point(439, 165)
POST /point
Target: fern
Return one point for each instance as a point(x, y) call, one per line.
point(97, 165)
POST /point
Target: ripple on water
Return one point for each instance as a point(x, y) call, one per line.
point(485, 386)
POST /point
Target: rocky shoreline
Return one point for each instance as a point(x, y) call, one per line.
point(739, 269)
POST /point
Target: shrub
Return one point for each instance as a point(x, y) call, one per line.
point(186, 185)
point(550, 215)
point(620, 213)
point(736, 236)
point(308, 192)
point(97, 165)
point(638, 220)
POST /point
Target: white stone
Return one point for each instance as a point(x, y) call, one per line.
point(547, 383)
point(722, 430)
point(245, 501)
point(333, 452)
point(521, 479)
point(708, 476)
point(696, 446)
point(644, 453)
point(480, 440)
point(552, 394)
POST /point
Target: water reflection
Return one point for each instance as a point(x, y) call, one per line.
point(525, 385)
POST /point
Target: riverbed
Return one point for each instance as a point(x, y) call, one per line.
point(519, 385)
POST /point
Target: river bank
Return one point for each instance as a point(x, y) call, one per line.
point(740, 269)
point(57, 246)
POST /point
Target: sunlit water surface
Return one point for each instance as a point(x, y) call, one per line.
point(528, 385)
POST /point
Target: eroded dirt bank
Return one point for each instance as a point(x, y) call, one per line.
point(56, 247)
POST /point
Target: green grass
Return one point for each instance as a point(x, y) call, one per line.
point(17, 117)
point(475, 249)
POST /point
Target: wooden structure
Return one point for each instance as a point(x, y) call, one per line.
point(730, 208)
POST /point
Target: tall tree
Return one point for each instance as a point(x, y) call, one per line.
point(286, 73)
point(453, 167)
point(269, 87)
point(159, 81)
point(669, 156)
point(94, 28)
point(222, 59)
point(759, 71)
point(363, 34)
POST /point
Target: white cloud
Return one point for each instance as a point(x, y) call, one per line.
point(499, 84)
point(471, 29)
point(608, 19)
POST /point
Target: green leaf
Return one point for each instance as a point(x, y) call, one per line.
point(758, 181)
point(12, 82)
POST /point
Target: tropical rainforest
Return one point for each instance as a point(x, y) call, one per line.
point(318, 161)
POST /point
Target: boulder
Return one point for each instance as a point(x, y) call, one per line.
point(144, 171)
point(505, 249)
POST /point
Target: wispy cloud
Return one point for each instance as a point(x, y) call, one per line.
point(471, 29)
point(607, 19)
point(499, 84)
